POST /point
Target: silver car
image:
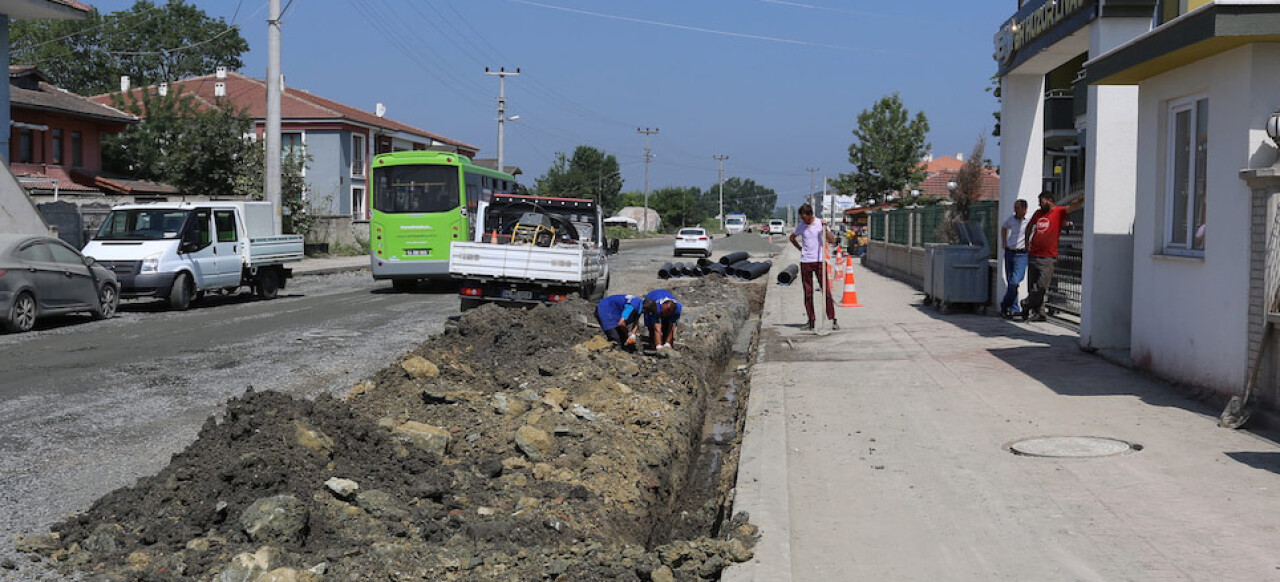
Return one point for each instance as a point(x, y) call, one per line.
point(42, 276)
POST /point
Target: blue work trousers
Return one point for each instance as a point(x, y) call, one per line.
point(1015, 268)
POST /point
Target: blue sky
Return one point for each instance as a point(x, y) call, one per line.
point(776, 85)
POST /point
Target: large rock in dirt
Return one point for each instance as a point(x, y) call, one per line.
point(312, 439)
point(424, 436)
point(344, 489)
point(419, 367)
point(533, 442)
point(278, 519)
point(246, 567)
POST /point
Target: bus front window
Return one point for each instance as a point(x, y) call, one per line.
point(403, 189)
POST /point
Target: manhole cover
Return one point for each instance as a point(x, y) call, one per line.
point(1071, 446)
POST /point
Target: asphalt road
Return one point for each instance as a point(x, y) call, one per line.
point(87, 407)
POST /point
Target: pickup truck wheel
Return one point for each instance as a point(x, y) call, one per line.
point(22, 315)
point(108, 300)
point(268, 284)
point(181, 293)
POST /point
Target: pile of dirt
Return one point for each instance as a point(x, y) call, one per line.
point(519, 445)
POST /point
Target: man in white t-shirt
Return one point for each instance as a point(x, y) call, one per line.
point(1013, 235)
point(811, 231)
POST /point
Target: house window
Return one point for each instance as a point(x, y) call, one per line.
point(291, 145)
point(359, 206)
point(57, 147)
point(357, 156)
point(26, 145)
point(1186, 164)
point(77, 150)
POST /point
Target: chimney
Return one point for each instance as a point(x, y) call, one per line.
point(960, 156)
point(124, 83)
point(219, 89)
point(163, 89)
point(380, 110)
point(220, 72)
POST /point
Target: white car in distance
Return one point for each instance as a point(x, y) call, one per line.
point(693, 241)
point(777, 226)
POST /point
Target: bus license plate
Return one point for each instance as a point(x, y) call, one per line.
point(514, 294)
point(417, 252)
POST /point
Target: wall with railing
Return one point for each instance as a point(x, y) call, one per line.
point(896, 242)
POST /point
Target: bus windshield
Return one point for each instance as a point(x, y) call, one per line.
point(413, 188)
point(143, 224)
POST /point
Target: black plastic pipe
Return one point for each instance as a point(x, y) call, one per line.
point(789, 274)
point(665, 271)
point(732, 258)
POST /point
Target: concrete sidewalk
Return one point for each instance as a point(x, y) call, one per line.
point(329, 265)
point(880, 452)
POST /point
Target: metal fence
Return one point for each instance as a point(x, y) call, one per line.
point(919, 225)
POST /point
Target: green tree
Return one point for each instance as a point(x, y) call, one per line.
point(590, 173)
point(200, 150)
point(678, 205)
point(150, 43)
point(888, 146)
point(743, 196)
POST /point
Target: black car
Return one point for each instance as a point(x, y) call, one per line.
point(42, 276)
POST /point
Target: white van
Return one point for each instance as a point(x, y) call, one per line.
point(735, 223)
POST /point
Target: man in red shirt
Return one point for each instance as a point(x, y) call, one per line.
point(1042, 251)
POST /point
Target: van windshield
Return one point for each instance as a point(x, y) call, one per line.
point(733, 221)
point(143, 224)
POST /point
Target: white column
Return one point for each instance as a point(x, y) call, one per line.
point(1111, 158)
point(1021, 152)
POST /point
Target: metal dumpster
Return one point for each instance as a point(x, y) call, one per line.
point(958, 273)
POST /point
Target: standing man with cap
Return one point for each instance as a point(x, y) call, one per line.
point(1042, 251)
point(811, 232)
point(619, 317)
point(661, 314)
point(1013, 234)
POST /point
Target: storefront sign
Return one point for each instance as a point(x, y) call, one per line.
point(1033, 22)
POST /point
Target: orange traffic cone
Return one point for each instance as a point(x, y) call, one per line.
point(850, 298)
point(493, 239)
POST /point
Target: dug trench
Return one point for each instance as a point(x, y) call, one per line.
point(517, 445)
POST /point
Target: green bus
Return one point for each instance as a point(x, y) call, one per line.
point(423, 200)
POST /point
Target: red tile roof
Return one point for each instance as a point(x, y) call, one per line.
point(295, 105)
point(45, 177)
point(935, 186)
point(942, 164)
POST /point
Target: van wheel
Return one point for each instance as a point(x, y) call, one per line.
point(180, 294)
point(22, 315)
point(108, 300)
point(268, 284)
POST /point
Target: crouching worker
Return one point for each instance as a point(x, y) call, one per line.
point(619, 317)
point(661, 314)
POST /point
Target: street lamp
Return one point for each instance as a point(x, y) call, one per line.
point(1273, 128)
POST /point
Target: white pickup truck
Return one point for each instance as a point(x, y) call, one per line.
point(180, 251)
point(533, 249)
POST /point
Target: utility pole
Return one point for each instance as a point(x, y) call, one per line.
point(809, 197)
point(647, 157)
point(721, 159)
point(272, 179)
point(502, 75)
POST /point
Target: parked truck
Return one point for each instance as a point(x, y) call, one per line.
point(533, 249)
point(181, 251)
point(735, 223)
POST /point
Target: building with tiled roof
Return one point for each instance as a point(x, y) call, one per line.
point(340, 139)
point(18, 213)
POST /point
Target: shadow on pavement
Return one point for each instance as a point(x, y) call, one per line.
point(1258, 460)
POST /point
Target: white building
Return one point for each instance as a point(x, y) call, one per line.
point(1169, 102)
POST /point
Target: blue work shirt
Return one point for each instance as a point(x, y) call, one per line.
point(617, 307)
point(659, 296)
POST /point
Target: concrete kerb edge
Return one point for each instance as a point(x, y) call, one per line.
point(762, 489)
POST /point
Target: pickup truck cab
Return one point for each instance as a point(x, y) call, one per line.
point(533, 249)
point(180, 251)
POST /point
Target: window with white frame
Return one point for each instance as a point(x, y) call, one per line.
point(357, 156)
point(359, 206)
point(293, 144)
point(1185, 188)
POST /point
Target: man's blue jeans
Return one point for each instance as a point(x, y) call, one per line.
point(1015, 268)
